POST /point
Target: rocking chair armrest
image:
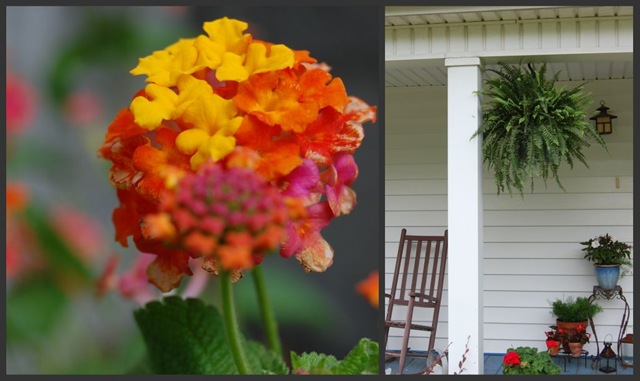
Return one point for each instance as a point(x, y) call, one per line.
point(422, 296)
point(387, 295)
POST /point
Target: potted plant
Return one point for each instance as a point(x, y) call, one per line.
point(527, 360)
point(570, 313)
point(530, 126)
point(554, 339)
point(608, 256)
point(577, 340)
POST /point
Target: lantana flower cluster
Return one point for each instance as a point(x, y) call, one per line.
point(221, 110)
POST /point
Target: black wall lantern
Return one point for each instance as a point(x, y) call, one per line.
point(604, 124)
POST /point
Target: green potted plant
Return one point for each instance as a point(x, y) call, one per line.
point(530, 126)
point(527, 360)
point(571, 313)
point(609, 256)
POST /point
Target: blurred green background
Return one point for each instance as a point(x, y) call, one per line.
point(67, 77)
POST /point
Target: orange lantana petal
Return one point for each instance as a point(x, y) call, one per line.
point(123, 127)
point(318, 141)
point(275, 99)
point(277, 157)
point(317, 255)
point(125, 217)
point(322, 90)
point(157, 164)
point(166, 271)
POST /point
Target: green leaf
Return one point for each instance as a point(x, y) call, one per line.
point(263, 360)
point(185, 337)
point(188, 337)
point(362, 359)
point(314, 363)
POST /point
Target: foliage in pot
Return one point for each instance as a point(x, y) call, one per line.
point(527, 360)
point(530, 126)
point(611, 259)
point(580, 336)
point(553, 341)
point(574, 310)
point(605, 250)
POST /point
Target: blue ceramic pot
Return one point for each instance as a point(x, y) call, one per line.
point(607, 276)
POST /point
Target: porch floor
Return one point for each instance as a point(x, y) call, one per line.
point(493, 365)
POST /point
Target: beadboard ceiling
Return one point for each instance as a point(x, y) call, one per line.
point(405, 16)
point(416, 76)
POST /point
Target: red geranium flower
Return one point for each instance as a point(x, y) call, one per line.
point(511, 358)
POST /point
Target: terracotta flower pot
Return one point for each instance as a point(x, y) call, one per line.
point(569, 328)
point(553, 350)
point(576, 349)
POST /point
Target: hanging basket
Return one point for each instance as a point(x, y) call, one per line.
point(530, 126)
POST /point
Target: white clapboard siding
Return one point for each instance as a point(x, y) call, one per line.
point(531, 248)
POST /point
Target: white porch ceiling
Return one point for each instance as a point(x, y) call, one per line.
point(414, 75)
point(405, 16)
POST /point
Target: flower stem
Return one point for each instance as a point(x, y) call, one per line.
point(231, 324)
point(268, 318)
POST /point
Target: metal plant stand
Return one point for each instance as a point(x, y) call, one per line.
point(614, 293)
point(567, 357)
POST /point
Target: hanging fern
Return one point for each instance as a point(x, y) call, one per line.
point(530, 126)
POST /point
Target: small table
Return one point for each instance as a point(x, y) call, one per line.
point(568, 356)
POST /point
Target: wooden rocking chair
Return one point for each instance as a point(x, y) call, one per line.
point(418, 280)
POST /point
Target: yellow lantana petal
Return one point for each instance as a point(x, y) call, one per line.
point(190, 90)
point(231, 68)
point(150, 113)
point(257, 61)
point(200, 107)
point(189, 141)
point(210, 113)
point(215, 148)
point(228, 34)
point(210, 53)
point(231, 127)
point(163, 67)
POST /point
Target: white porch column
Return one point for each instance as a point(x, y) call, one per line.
point(465, 214)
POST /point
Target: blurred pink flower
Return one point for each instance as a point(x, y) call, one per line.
point(80, 231)
point(83, 107)
point(134, 282)
point(21, 104)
